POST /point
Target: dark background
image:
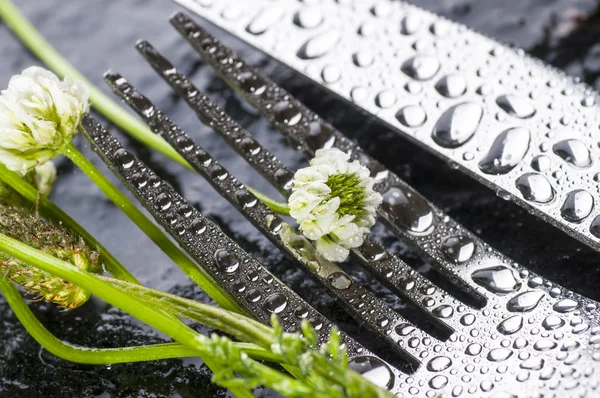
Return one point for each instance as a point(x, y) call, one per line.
point(99, 34)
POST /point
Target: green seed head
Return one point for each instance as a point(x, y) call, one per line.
point(53, 240)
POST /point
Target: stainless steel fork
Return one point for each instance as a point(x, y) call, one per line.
point(515, 334)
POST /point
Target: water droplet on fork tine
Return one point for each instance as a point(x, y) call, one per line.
point(516, 106)
point(499, 279)
point(574, 152)
point(408, 209)
point(373, 369)
point(577, 206)
point(535, 187)
point(507, 150)
point(318, 46)
point(458, 248)
point(457, 125)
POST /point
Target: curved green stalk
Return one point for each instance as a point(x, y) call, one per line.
point(53, 213)
point(156, 318)
point(196, 273)
point(105, 356)
point(278, 207)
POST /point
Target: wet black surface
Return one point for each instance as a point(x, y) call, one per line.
point(97, 34)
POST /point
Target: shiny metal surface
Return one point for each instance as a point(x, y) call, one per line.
point(523, 129)
point(532, 335)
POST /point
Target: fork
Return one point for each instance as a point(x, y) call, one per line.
point(518, 332)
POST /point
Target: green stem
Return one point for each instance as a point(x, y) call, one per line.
point(156, 318)
point(242, 328)
point(104, 356)
point(278, 207)
point(196, 273)
point(53, 213)
point(41, 48)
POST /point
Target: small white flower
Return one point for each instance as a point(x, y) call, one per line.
point(39, 115)
point(334, 203)
point(43, 177)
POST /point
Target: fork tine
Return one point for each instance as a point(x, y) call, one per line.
point(392, 271)
point(364, 306)
point(244, 278)
point(404, 210)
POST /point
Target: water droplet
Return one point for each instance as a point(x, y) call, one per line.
point(443, 311)
point(533, 363)
point(276, 303)
point(227, 261)
point(318, 46)
point(163, 200)
point(499, 279)
point(404, 329)
point(339, 280)
point(284, 178)
point(457, 125)
point(373, 369)
point(451, 86)
point(363, 59)
point(553, 322)
point(458, 248)
point(516, 106)
point(124, 158)
point(439, 364)
point(473, 349)
point(263, 20)
point(198, 226)
point(410, 24)
point(139, 180)
point(408, 210)
point(412, 116)
point(499, 354)
point(507, 150)
point(245, 198)
point(253, 295)
point(251, 83)
point(525, 301)
point(541, 163)
point(511, 325)
point(308, 18)
point(565, 305)
point(330, 74)
point(438, 382)
point(372, 251)
point(287, 113)
point(320, 135)
point(385, 99)
point(467, 319)
point(595, 227)
point(577, 206)
point(588, 101)
point(573, 152)
point(535, 187)
point(544, 345)
point(301, 312)
point(421, 67)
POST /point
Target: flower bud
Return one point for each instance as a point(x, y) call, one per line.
point(334, 202)
point(53, 240)
point(39, 115)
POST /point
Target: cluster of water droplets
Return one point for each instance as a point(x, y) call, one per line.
point(481, 108)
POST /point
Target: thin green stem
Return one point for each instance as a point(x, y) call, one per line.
point(53, 213)
point(104, 356)
point(242, 328)
point(196, 273)
point(156, 318)
point(41, 48)
point(278, 207)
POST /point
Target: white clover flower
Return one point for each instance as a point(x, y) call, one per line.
point(39, 115)
point(334, 203)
